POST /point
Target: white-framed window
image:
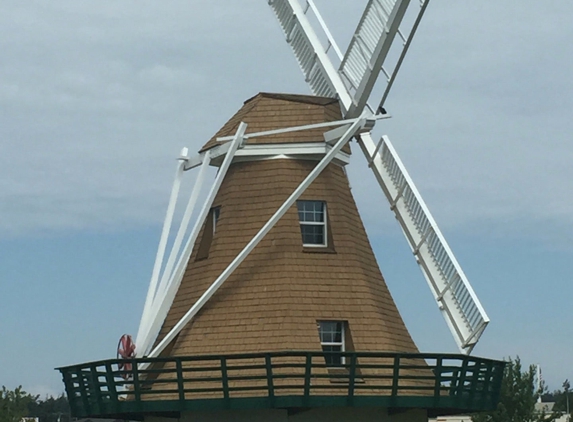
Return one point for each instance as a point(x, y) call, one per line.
point(331, 335)
point(216, 211)
point(312, 218)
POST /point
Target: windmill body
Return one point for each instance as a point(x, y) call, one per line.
point(271, 305)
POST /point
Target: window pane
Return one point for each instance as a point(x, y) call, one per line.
point(311, 211)
point(332, 355)
point(312, 235)
point(216, 213)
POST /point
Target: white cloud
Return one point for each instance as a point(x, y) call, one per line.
point(99, 100)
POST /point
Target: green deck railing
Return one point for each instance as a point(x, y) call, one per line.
point(441, 383)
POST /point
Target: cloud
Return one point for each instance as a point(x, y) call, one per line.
point(99, 100)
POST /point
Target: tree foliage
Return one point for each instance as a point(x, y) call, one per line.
point(14, 404)
point(52, 409)
point(563, 398)
point(518, 396)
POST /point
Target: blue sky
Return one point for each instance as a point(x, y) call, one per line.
point(96, 102)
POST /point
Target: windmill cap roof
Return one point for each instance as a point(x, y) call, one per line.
point(268, 111)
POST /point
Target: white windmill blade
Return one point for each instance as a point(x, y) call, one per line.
point(454, 295)
point(361, 66)
point(370, 44)
point(312, 56)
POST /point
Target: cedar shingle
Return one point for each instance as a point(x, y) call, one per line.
point(274, 299)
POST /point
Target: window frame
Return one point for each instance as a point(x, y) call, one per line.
point(323, 224)
point(341, 343)
point(216, 213)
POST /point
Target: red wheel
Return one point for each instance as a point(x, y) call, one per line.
point(125, 350)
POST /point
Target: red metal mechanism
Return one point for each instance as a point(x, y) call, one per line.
point(125, 350)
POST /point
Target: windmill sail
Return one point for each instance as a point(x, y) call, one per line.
point(456, 299)
point(311, 55)
point(360, 67)
point(370, 44)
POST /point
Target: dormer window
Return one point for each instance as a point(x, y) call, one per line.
point(331, 335)
point(208, 233)
point(215, 212)
point(312, 218)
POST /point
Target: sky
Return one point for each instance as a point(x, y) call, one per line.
point(98, 98)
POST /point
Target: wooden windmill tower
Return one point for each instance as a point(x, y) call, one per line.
point(272, 306)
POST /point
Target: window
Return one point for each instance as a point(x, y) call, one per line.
point(215, 213)
point(312, 217)
point(208, 233)
point(331, 335)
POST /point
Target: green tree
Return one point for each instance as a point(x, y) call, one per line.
point(52, 409)
point(518, 396)
point(563, 398)
point(14, 404)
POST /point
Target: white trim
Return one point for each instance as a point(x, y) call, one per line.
point(291, 129)
point(300, 151)
point(323, 224)
point(341, 343)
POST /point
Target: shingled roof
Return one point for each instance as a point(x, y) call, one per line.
point(266, 111)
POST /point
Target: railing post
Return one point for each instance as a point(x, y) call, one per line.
point(136, 386)
point(70, 390)
point(462, 380)
point(438, 383)
point(84, 391)
point(351, 379)
point(111, 386)
point(225, 379)
point(486, 383)
point(270, 385)
point(307, 377)
point(395, 379)
point(474, 383)
point(96, 390)
point(180, 383)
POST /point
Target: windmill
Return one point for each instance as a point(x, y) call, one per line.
point(272, 300)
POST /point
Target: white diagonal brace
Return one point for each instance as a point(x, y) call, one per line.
point(168, 272)
point(162, 307)
point(293, 129)
point(162, 244)
point(354, 128)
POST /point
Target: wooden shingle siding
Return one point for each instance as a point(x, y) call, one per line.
point(272, 302)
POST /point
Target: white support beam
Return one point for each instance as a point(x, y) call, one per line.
point(354, 128)
point(151, 291)
point(162, 307)
point(294, 129)
point(168, 272)
point(192, 162)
